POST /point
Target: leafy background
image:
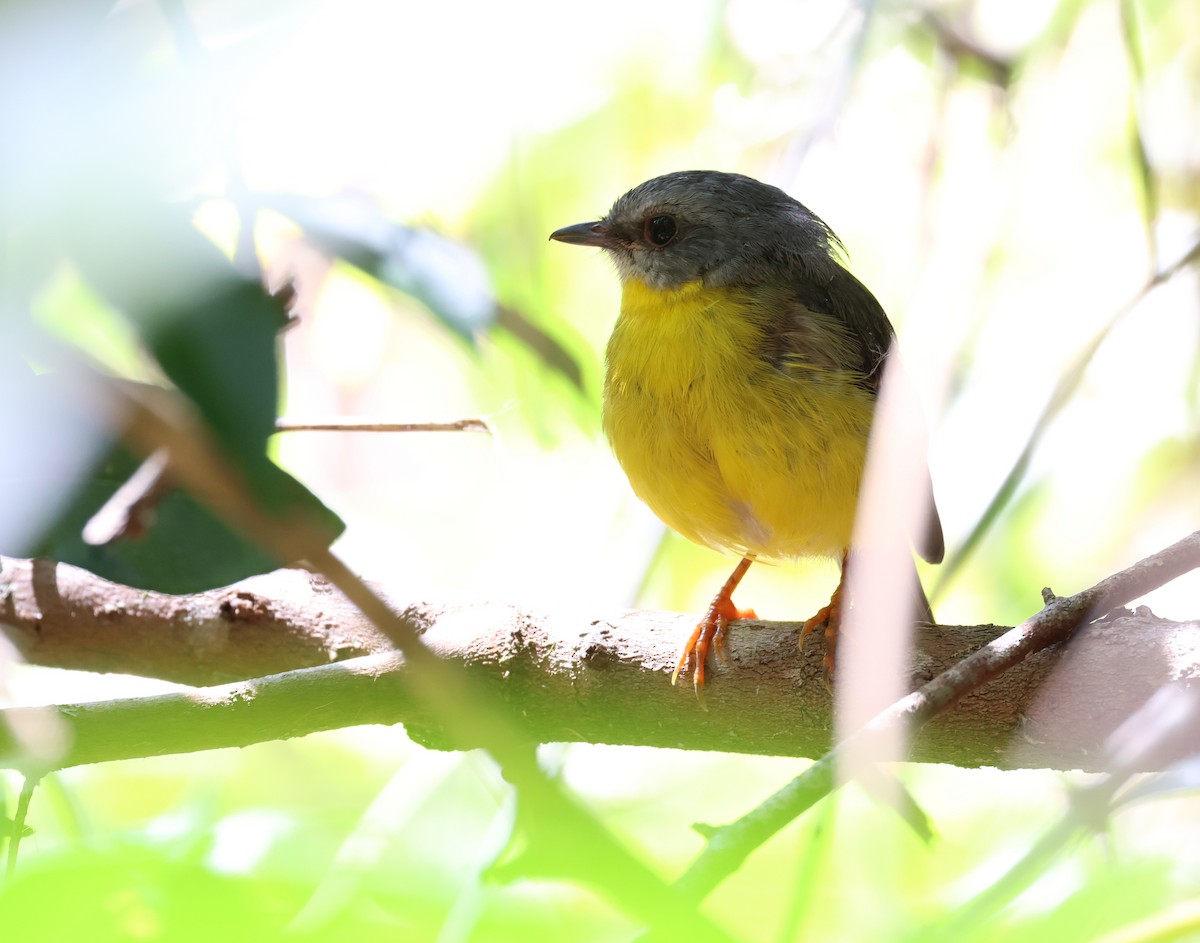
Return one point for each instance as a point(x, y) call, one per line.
point(1006, 177)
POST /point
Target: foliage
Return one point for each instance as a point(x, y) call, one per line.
point(1007, 181)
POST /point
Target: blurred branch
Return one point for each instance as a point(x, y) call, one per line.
point(1169, 924)
point(130, 510)
point(468, 710)
point(18, 829)
point(966, 52)
point(570, 678)
point(1147, 177)
point(1068, 383)
point(1057, 622)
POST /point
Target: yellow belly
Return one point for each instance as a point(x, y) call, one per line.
point(726, 448)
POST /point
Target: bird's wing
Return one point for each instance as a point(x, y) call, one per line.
point(852, 304)
point(831, 320)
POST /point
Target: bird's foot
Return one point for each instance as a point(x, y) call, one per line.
point(830, 618)
point(709, 634)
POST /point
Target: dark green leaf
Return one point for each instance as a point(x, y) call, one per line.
point(212, 330)
point(187, 549)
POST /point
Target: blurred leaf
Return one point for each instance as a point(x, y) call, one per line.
point(74, 314)
point(1165, 484)
point(1111, 895)
point(222, 355)
point(90, 185)
point(6, 828)
point(446, 276)
point(132, 893)
point(186, 550)
point(212, 330)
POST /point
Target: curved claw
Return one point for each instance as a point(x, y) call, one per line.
point(695, 650)
point(830, 618)
point(696, 640)
point(710, 632)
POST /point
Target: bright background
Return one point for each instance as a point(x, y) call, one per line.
point(1001, 217)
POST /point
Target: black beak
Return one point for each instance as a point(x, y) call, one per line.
point(584, 234)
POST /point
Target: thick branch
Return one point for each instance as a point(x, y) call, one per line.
point(63, 617)
point(569, 677)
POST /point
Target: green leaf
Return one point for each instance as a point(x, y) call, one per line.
point(212, 330)
point(447, 277)
point(220, 351)
point(187, 549)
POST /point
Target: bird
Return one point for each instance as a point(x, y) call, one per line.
point(741, 381)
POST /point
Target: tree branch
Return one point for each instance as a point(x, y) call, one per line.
point(568, 677)
point(1062, 618)
point(553, 819)
point(60, 616)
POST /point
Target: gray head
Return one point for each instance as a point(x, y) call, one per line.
point(725, 229)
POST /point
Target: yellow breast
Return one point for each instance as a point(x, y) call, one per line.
point(725, 447)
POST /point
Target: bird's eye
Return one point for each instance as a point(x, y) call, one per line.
point(660, 230)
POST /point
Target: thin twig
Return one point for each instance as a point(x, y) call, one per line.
point(370, 425)
point(18, 823)
point(729, 846)
point(130, 509)
point(962, 47)
point(1061, 395)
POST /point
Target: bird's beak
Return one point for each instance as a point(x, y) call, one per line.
point(584, 234)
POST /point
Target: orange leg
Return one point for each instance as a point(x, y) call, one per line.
point(831, 618)
point(710, 630)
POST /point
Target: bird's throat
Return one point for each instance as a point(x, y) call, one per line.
point(691, 299)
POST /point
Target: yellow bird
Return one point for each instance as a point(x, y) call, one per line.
point(742, 377)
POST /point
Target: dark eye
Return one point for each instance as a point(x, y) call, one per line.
point(660, 230)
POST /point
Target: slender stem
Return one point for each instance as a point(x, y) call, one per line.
point(730, 845)
point(369, 425)
point(18, 823)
